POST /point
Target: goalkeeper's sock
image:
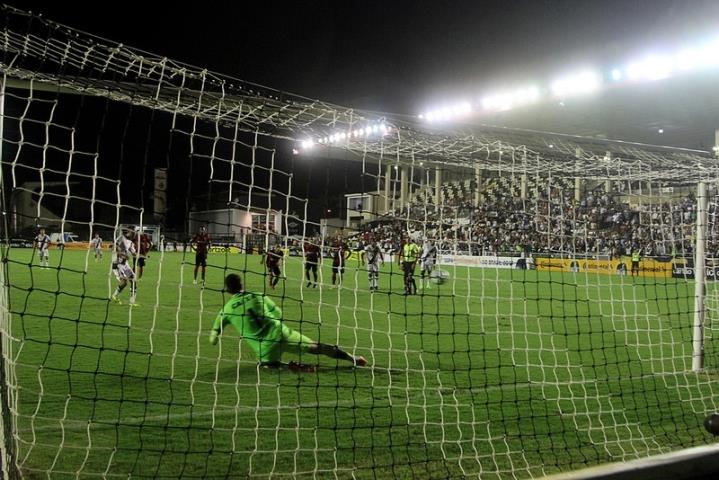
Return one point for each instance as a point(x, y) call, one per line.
point(334, 351)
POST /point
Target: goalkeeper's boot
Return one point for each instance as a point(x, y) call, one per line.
point(360, 361)
point(116, 299)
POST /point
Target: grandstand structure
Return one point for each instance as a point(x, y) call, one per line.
point(498, 373)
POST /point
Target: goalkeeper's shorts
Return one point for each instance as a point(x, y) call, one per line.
point(292, 342)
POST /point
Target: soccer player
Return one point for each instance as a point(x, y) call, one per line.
point(372, 256)
point(428, 261)
point(259, 321)
point(42, 243)
point(312, 259)
point(272, 260)
point(124, 250)
point(409, 256)
point(201, 243)
point(96, 243)
point(339, 258)
point(144, 244)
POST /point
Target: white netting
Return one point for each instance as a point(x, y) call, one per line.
point(542, 348)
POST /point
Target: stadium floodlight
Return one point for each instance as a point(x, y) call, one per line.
point(510, 99)
point(448, 113)
point(655, 67)
point(617, 74)
point(689, 59)
point(580, 83)
point(462, 108)
point(710, 54)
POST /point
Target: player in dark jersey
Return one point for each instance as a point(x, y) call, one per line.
point(272, 261)
point(312, 259)
point(340, 255)
point(144, 244)
point(201, 243)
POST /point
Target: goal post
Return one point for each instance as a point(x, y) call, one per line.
point(700, 278)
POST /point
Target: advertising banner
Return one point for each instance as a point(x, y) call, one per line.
point(622, 266)
point(224, 249)
point(485, 261)
point(684, 268)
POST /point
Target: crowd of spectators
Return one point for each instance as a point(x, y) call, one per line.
point(548, 220)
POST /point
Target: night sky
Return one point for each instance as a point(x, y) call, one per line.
point(392, 56)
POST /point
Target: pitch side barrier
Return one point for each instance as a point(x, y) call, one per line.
point(486, 261)
point(684, 268)
point(648, 267)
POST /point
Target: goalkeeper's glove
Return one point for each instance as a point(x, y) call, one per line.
point(214, 336)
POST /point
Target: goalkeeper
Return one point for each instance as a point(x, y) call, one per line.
point(258, 320)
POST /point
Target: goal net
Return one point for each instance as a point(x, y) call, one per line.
point(525, 302)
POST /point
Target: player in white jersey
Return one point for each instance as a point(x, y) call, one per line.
point(42, 243)
point(428, 261)
point(372, 256)
point(124, 250)
point(96, 243)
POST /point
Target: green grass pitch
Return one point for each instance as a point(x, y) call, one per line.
point(498, 373)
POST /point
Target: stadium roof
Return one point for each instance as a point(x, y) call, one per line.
point(46, 53)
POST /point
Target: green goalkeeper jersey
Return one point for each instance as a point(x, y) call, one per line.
point(256, 317)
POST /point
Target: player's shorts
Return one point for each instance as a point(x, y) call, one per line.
point(141, 261)
point(408, 268)
point(123, 271)
point(292, 342)
point(427, 266)
point(311, 266)
point(338, 269)
point(635, 265)
point(44, 254)
point(200, 259)
point(274, 270)
point(372, 268)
